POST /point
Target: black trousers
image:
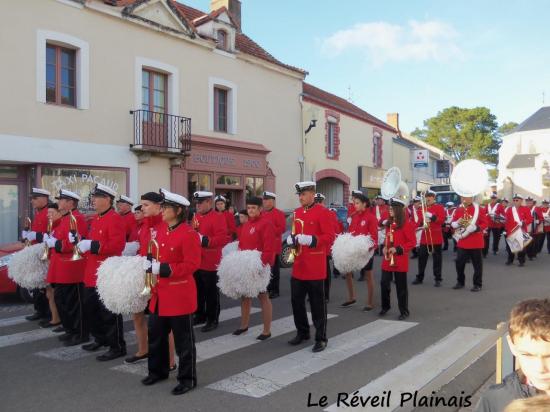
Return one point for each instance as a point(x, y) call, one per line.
point(273, 286)
point(158, 361)
point(511, 256)
point(542, 237)
point(495, 233)
point(474, 255)
point(314, 289)
point(69, 300)
point(423, 261)
point(532, 249)
point(208, 295)
point(547, 241)
point(40, 303)
point(328, 279)
point(105, 326)
point(400, 287)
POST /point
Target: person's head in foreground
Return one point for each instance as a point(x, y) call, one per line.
point(540, 403)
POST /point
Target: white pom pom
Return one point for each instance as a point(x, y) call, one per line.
point(26, 269)
point(120, 280)
point(242, 274)
point(131, 249)
point(352, 253)
point(230, 248)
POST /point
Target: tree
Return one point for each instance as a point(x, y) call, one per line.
point(506, 128)
point(463, 133)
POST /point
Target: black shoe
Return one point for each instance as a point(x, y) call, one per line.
point(210, 326)
point(112, 354)
point(521, 264)
point(198, 320)
point(445, 248)
point(319, 346)
point(417, 281)
point(273, 295)
point(458, 286)
point(59, 329)
point(348, 304)
point(76, 340)
point(65, 337)
point(403, 316)
point(383, 312)
point(34, 316)
point(367, 308)
point(484, 255)
point(361, 278)
point(297, 340)
point(476, 289)
point(240, 331)
point(150, 380)
point(495, 252)
point(437, 284)
point(136, 358)
point(92, 347)
point(180, 389)
point(46, 323)
point(173, 367)
point(530, 258)
point(508, 262)
point(264, 337)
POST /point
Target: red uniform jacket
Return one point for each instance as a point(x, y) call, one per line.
point(536, 219)
point(130, 224)
point(278, 220)
point(257, 234)
point(108, 238)
point(67, 271)
point(435, 225)
point(364, 223)
point(231, 225)
point(474, 240)
point(525, 217)
point(448, 218)
point(497, 209)
point(179, 257)
point(351, 209)
point(383, 212)
point(213, 227)
point(149, 229)
point(311, 263)
point(404, 240)
point(40, 224)
point(544, 210)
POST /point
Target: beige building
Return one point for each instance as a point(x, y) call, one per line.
point(345, 148)
point(140, 95)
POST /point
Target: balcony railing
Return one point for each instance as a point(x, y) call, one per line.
point(161, 132)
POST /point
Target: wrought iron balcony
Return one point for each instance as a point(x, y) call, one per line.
point(161, 132)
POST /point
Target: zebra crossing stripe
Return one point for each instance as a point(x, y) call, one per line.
point(279, 373)
point(25, 337)
point(426, 367)
point(221, 345)
point(15, 320)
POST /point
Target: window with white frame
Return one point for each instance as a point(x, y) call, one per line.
point(223, 106)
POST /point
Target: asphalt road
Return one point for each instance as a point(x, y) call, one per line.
point(39, 376)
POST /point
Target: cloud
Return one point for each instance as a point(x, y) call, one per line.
point(383, 42)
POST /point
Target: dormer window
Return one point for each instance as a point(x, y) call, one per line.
point(222, 39)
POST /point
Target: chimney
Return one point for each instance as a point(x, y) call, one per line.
point(393, 120)
point(234, 7)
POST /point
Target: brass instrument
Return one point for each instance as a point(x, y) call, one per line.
point(28, 225)
point(426, 225)
point(466, 219)
point(296, 250)
point(150, 279)
point(46, 251)
point(389, 244)
point(77, 255)
point(195, 222)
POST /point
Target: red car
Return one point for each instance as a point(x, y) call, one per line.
point(6, 284)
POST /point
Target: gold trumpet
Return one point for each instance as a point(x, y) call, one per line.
point(466, 219)
point(46, 251)
point(77, 254)
point(389, 244)
point(150, 279)
point(296, 250)
point(426, 224)
point(28, 225)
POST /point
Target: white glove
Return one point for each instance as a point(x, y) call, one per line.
point(289, 241)
point(304, 240)
point(72, 238)
point(429, 215)
point(385, 222)
point(50, 241)
point(146, 265)
point(348, 220)
point(30, 236)
point(155, 267)
point(471, 228)
point(84, 245)
point(455, 225)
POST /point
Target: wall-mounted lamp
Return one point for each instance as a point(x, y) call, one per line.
point(313, 121)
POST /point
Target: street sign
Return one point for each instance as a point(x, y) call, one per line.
point(442, 169)
point(420, 158)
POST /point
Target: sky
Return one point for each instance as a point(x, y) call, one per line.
point(413, 57)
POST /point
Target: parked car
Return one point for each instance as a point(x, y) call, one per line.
point(7, 286)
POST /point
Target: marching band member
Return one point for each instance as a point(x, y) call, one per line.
point(431, 240)
point(220, 203)
point(495, 213)
point(278, 220)
point(469, 222)
point(314, 233)
point(400, 239)
point(69, 273)
point(363, 222)
point(417, 221)
point(320, 200)
point(35, 234)
point(351, 205)
point(243, 218)
point(517, 216)
point(381, 213)
point(212, 228)
point(545, 209)
point(257, 234)
point(447, 230)
point(174, 298)
point(124, 208)
point(536, 228)
point(106, 238)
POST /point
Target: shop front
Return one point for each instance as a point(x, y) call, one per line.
point(370, 180)
point(234, 169)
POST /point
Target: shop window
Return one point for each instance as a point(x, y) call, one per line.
point(60, 75)
point(8, 172)
point(199, 181)
point(254, 186)
point(227, 180)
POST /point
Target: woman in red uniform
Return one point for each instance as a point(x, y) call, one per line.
point(400, 239)
point(174, 298)
point(220, 203)
point(363, 222)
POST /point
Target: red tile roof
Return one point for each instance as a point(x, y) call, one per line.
point(316, 95)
